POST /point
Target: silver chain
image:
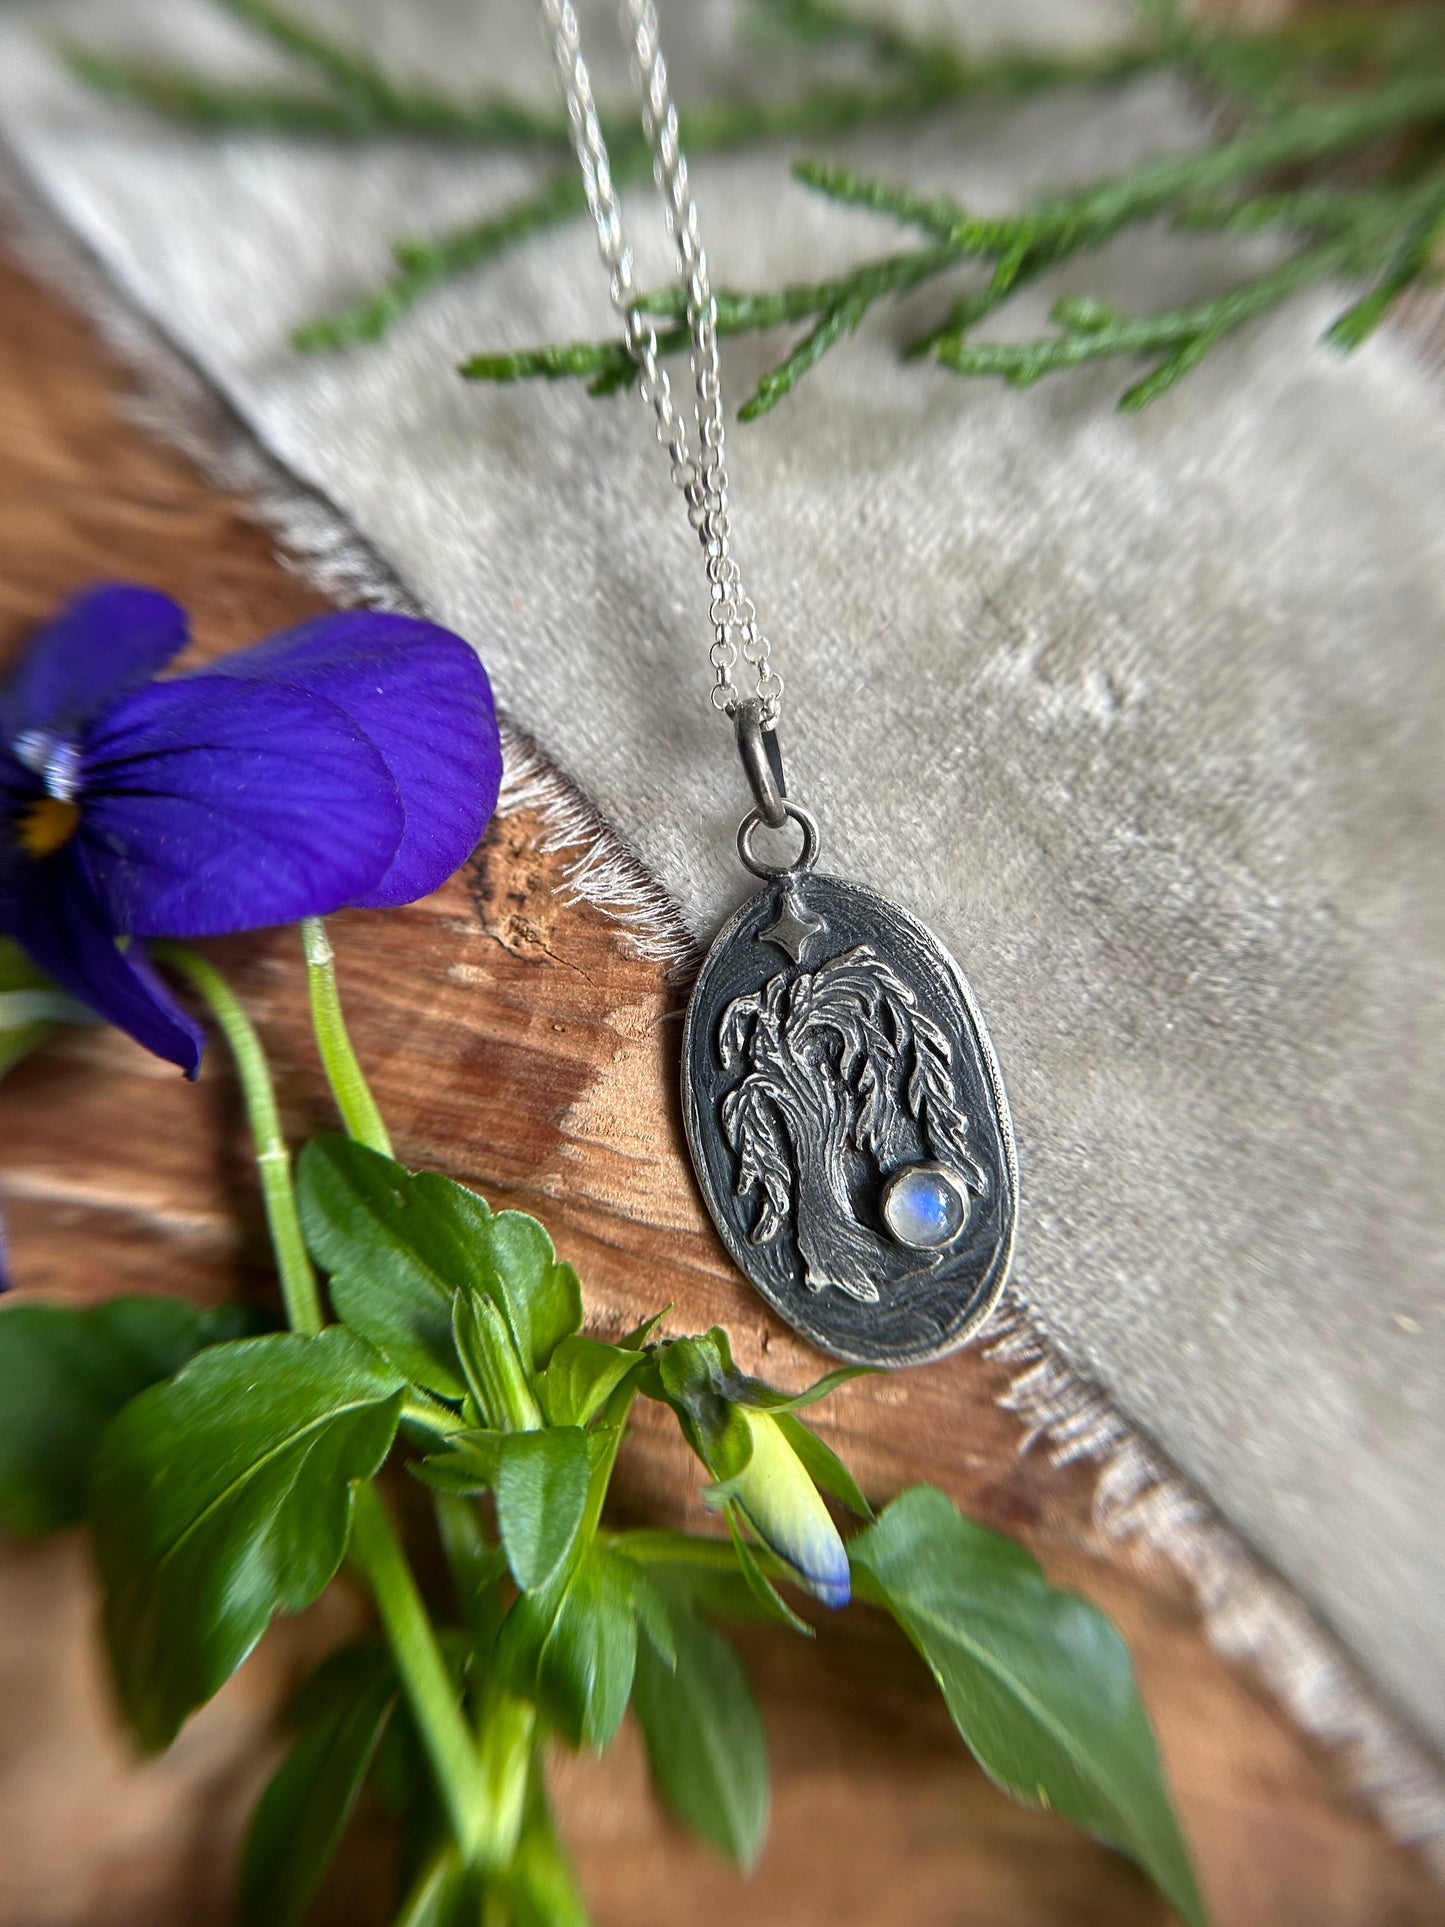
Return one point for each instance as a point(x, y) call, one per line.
point(702, 478)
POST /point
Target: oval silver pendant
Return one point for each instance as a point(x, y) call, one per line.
point(848, 1123)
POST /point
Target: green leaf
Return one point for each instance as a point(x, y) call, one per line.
point(822, 1464)
point(403, 1781)
point(637, 1338)
point(572, 1646)
point(542, 1480)
point(542, 1298)
point(63, 1376)
point(397, 1246)
point(711, 1351)
point(743, 1390)
point(694, 1573)
point(303, 1813)
point(467, 1464)
point(705, 1740)
point(690, 1372)
point(224, 1497)
point(1038, 1681)
point(759, 1585)
point(581, 1377)
point(696, 1376)
point(584, 1677)
point(650, 1610)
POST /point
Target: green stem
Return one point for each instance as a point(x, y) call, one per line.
point(780, 381)
point(1305, 135)
point(1409, 260)
point(477, 1790)
point(422, 1905)
point(349, 1087)
point(375, 1550)
point(377, 1554)
point(273, 1161)
point(610, 1426)
point(655, 1546)
point(738, 312)
point(506, 1744)
point(1179, 328)
point(350, 74)
point(425, 264)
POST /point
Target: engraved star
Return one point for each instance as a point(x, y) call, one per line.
point(795, 928)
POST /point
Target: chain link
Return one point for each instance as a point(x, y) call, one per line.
point(702, 477)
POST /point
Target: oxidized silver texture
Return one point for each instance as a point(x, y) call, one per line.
point(831, 1046)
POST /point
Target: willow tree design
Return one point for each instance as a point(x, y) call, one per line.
point(845, 1081)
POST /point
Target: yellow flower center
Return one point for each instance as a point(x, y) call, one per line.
point(48, 825)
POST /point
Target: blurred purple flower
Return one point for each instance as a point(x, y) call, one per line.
point(351, 761)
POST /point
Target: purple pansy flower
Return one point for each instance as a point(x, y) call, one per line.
point(351, 761)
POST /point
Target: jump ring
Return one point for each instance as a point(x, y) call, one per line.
point(808, 856)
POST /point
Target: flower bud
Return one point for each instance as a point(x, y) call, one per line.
point(786, 1510)
point(494, 1371)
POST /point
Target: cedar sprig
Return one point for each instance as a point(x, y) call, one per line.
point(1331, 135)
point(1386, 236)
point(909, 78)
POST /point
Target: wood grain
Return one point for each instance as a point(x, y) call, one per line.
point(516, 1043)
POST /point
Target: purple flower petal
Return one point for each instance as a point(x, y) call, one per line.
point(103, 642)
point(213, 804)
point(53, 910)
point(422, 696)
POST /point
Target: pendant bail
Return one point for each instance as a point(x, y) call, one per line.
point(762, 763)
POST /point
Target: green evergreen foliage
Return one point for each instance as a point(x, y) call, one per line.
point(1329, 134)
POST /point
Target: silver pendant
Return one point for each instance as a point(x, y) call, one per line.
point(844, 1108)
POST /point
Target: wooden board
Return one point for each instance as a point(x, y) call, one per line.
point(516, 1043)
